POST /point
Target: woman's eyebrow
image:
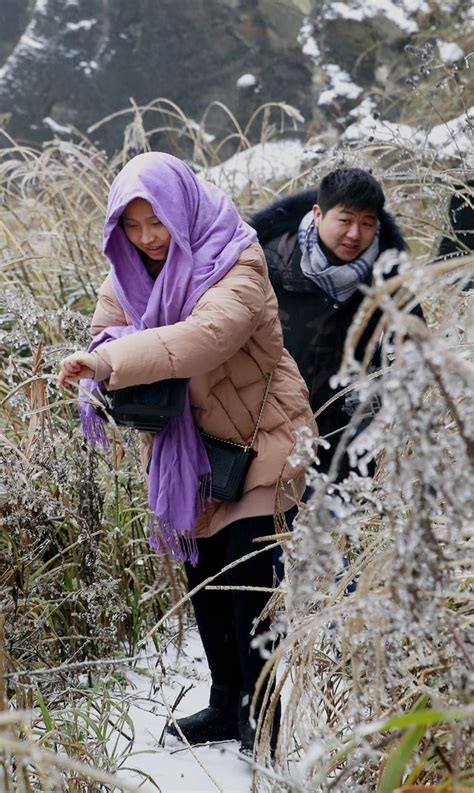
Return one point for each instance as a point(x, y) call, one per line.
point(132, 220)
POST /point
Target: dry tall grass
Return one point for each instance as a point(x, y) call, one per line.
point(79, 583)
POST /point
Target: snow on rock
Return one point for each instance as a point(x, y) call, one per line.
point(307, 41)
point(451, 138)
point(341, 85)
point(366, 107)
point(41, 6)
point(370, 129)
point(263, 163)
point(88, 67)
point(27, 42)
point(449, 51)
point(32, 43)
point(84, 24)
point(397, 11)
point(194, 125)
point(246, 81)
point(58, 129)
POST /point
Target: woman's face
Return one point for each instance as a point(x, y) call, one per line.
point(145, 230)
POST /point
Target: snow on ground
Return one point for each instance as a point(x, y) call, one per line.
point(174, 768)
point(260, 164)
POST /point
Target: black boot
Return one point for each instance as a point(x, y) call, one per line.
point(208, 725)
point(247, 731)
point(217, 722)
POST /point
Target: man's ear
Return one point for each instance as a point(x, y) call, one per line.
point(317, 214)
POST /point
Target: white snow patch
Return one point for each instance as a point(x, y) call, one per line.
point(192, 124)
point(454, 137)
point(26, 43)
point(366, 108)
point(449, 51)
point(307, 41)
point(246, 81)
point(84, 24)
point(397, 11)
point(263, 163)
point(59, 129)
point(32, 43)
point(174, 768)
point(339, 10)
point(88, 67)
point(340, 85)
point(381, 131)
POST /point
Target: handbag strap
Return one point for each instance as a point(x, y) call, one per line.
point(262, 406)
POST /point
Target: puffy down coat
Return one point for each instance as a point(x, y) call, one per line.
point(226, 347)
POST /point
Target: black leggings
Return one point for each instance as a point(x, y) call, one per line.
point(226, 618)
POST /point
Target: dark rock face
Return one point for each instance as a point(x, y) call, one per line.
point(14, 17)
point(79, 60)
point(73, 62)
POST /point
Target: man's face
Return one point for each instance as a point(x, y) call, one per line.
point(346, 232)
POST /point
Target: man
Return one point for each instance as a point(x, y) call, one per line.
point(460, 240)
point(321, 245)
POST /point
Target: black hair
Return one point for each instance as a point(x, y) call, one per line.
point(461, 219)
point(352, 187)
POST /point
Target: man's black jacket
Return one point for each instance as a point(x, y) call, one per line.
point(314, 325)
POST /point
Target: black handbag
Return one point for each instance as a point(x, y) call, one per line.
point(230, 461)
point(147, 407)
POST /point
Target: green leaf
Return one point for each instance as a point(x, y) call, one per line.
point(400, 757)
point(426, 717)
point(397, 762)
point(48, 722)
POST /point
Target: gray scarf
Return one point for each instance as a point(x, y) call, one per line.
point(339, 281)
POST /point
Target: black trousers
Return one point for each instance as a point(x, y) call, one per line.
point(225, 618)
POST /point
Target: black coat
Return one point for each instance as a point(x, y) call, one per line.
point(314, 325)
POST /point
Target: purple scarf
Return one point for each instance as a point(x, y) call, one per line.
point(207, 237)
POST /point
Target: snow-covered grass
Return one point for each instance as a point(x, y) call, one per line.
point(264, 163)
point(174, 767)
point(80, 582)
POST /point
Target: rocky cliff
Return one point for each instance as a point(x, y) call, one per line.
point(68, 63)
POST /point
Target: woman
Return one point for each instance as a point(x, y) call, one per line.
point(188, 296)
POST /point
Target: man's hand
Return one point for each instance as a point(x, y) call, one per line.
point(75, 367)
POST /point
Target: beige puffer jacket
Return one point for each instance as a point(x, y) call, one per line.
point(226, 347)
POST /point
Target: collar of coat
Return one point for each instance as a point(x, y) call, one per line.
point(283, 218)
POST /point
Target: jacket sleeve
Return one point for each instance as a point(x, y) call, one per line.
point(108, 311)
point(221, 322)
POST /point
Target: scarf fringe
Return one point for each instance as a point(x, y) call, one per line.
point(181, 545)
point(93, 426)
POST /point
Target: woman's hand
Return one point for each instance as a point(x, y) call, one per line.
point(75, 367)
